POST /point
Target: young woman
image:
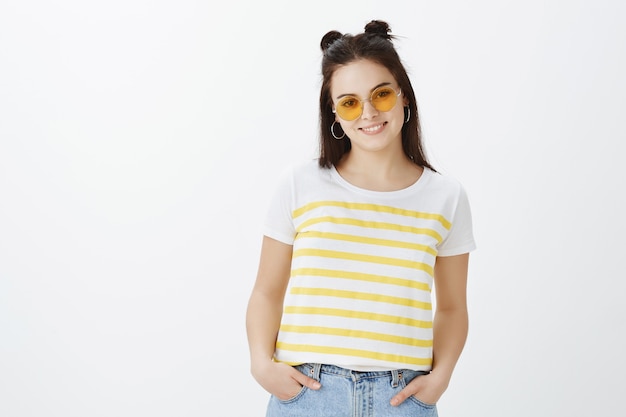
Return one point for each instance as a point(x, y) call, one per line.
point(340, 321)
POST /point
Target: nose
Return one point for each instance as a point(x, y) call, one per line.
point(369, 110)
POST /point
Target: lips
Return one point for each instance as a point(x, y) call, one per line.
point(374, 128)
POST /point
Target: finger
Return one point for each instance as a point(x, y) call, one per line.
point(307, 381)
point(411, 389)
point(400, 397)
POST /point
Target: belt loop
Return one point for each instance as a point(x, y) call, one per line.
point(315, 371)
point(395, 378)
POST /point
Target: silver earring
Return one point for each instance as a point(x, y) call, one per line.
point(332, 131)
point(408, 116)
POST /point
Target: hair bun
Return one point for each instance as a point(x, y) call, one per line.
point(378, 27)
point(329, 39)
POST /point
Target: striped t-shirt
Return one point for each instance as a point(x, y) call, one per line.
point(359, 295)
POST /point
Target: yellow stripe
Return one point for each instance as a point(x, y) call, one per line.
point(379, 298)
point(369, 240)
point(337, 312)
point(389, 357)
point(357, 333)
point(371, 225)
point(319, 272)
point(373, 207)
point(364, 258)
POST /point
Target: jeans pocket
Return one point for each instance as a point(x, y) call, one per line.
point(295, 398)
point(422, 403)
point(305, 369)
point(408, 376)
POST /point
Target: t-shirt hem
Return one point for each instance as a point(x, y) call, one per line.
point(281, 237)
point(460, 250)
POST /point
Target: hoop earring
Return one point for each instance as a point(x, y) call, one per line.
point(332, 131)
point(408, 116)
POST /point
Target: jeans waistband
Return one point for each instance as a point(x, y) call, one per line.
point(315, 369)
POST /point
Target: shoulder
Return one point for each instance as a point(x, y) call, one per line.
point(308, 166)
point(443, 183)
point(307, 170)
point(302, 175)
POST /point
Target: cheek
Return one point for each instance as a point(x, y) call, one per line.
point(345, 125)
point(400, 110)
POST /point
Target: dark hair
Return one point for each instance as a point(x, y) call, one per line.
point(374, 44)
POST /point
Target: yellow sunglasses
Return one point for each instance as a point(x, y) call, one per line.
point(351, 107)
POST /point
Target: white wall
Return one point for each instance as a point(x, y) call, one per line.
point(139, 141)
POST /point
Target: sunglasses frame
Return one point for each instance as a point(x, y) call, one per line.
point(362, 101)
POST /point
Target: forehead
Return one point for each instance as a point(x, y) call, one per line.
point(359, 77)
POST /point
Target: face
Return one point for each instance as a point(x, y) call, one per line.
point(368, 86)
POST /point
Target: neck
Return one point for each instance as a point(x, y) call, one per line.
point(377, 171)
point(373, 163)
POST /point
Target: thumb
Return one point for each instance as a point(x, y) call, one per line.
point(400, 397)
point(308, 381)
point(412, 388)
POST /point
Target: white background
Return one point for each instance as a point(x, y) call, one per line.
point(139, 142)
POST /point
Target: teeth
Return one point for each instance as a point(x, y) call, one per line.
point(373, 128)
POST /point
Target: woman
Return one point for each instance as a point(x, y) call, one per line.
point(340, 320)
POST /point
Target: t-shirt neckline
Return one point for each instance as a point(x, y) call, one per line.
point(426, 173)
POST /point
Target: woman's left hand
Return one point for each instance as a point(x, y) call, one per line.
point(426, 388)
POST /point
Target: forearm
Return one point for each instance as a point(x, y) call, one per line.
point(265, 306)
point(262, 322)
point(450, 330)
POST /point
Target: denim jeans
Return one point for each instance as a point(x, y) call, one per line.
point(347, 393)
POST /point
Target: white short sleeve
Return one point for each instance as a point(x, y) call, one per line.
point(460, 239)
point(278, 219)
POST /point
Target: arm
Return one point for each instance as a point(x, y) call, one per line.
point(450, 328)
point(263, 321)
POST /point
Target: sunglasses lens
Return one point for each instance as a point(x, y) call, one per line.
point(384, 98)
point(349, 108)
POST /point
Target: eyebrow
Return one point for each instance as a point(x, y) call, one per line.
point(356, 95)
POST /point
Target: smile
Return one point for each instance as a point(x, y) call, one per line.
point(373, 129)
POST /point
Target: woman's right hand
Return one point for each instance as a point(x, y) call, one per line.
point(281, 380)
